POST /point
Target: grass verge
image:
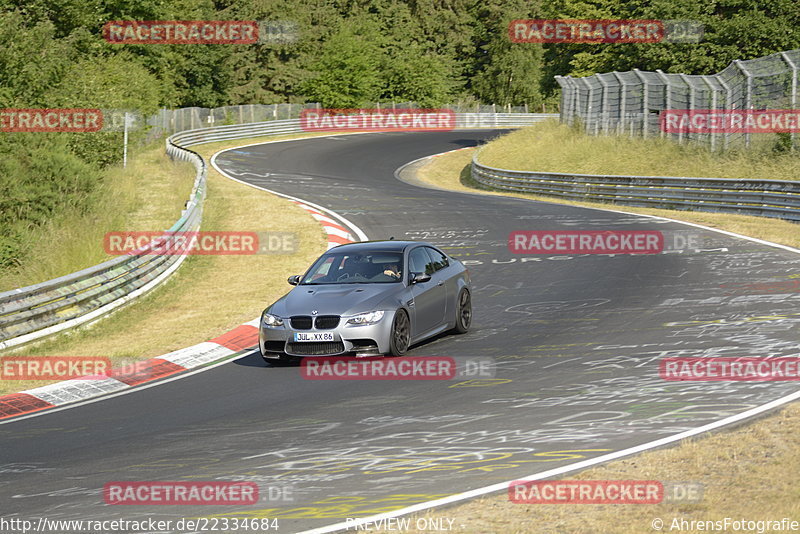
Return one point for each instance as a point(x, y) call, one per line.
point(745, 472)
point(147, 195)
point(552, 147)
point(452, 171)
point(208, 295)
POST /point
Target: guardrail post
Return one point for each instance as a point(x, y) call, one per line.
point(645, 102)
point(576, 98)
point(748, 98)
point(590, 113)
point(576, 111)
point(793, 96)
point(691, 104)
point(622, 102)
point(667, 100)
point(726, 136)
point(712, 135)
point(604, 111)
point(570, 100)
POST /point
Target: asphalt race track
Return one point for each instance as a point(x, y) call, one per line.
point(576, 341)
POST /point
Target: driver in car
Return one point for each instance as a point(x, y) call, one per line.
point(391, 269)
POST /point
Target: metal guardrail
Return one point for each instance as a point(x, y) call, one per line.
point(36, 311)
point(33, 312)
point(179, 120)
point(292, 126)
point(765, 198)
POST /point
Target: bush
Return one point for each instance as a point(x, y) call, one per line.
point(39, 179)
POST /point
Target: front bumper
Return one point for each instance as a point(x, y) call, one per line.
point(363, 340)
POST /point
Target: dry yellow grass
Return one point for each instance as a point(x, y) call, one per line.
point(147, 195)
point(553, 147)
point(208, 295)
point(746, 473)
point(452, 171)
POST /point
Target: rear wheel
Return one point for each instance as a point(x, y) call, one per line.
point(463, 312)
point(401, 334)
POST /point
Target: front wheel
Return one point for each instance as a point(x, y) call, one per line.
point(401, 334)
point(463, 312)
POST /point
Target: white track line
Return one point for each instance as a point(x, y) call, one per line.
point(585, 463)
point(503, 486)
point(133, 389)
point(555, 200)
point(347, 224)
point(308, 206)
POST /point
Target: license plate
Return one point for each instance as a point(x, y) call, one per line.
point(313, 336)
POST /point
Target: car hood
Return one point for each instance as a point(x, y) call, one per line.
point(338, 299)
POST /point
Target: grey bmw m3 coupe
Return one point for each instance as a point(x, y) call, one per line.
point(366, 299)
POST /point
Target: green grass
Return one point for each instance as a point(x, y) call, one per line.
point(553, 147)
point(208, 295)
point(744, 470)
point(147, 195)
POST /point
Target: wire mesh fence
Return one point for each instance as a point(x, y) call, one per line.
point(721, 110)
point(176, 120)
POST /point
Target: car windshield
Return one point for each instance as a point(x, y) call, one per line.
point(373, 267)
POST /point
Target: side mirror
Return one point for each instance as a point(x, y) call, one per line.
point(294, 280)
point(420, 277)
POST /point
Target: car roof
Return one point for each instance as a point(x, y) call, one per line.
point(382, 246)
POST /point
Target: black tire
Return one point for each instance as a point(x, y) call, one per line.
point(463, 312)
point(401, 334)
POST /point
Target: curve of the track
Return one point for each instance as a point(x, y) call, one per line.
point(577, 340)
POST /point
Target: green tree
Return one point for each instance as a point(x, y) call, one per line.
point(39, 178)
point(114, 83)
point(733, 29)
point(347, 73)
point(64, 15)
point(415, 76)
point(32, 60)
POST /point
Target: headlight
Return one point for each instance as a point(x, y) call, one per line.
point(268, 319)
point(366, 318)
